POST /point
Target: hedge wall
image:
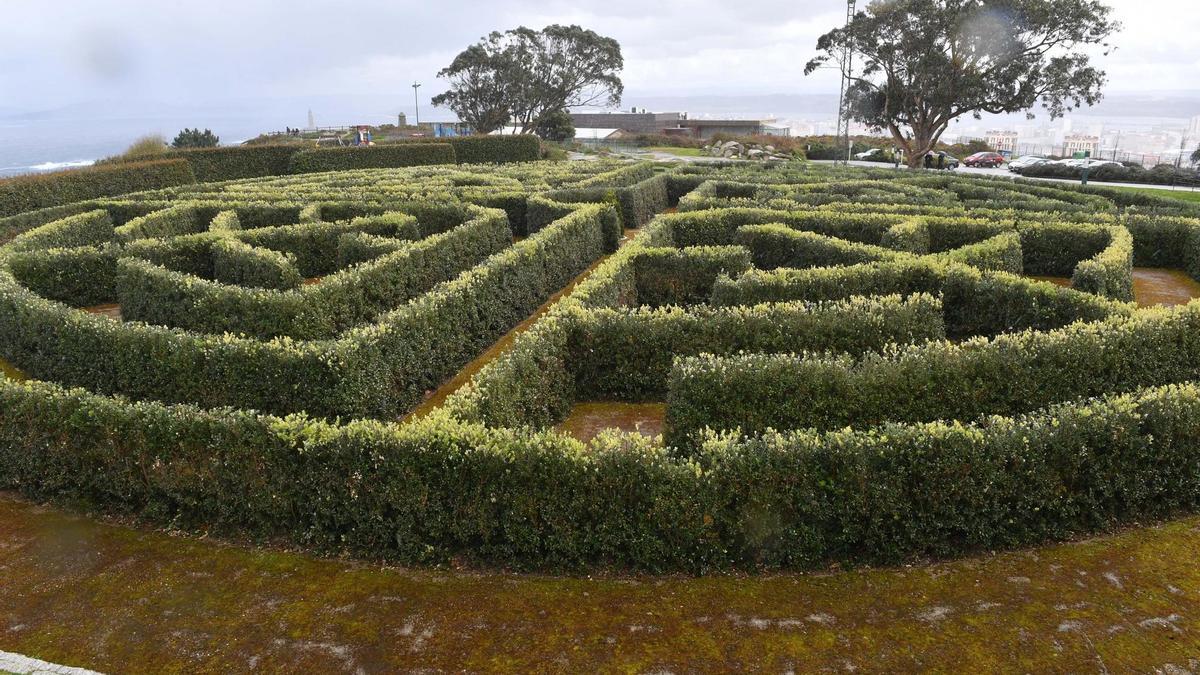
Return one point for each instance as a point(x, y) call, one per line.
point(975, 302)
point(239, 161)
point(373, 157)
point(339, 302)
point(627, 354)
point(1010, 374)
point(240, 264)
point(26, 193)
point(374, 370)
point(437, 490)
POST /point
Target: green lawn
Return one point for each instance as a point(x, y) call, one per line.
point(1187, 195)
point(682, 152)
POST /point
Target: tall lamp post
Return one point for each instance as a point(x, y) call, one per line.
point(416, 104)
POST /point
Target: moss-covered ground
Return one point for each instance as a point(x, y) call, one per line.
point(117, 599)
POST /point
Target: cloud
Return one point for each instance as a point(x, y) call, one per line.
point(223, 50)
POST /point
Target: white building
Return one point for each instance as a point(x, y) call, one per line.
point(1003, 142)
point(1073, 143)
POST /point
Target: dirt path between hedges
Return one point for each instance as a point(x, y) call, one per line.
point(115, 599)
point(437, 397)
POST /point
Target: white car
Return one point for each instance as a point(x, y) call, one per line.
point(1093, 163)
point(1026, 161)
point(867, 154)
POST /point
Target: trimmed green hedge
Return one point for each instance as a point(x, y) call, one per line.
point(1110, 272)
point(79, 277)
point(26, 193)
point(775, 245)
point(373, 157)
point(437, 490)
point(975, 302)
point(84, 229)
point(240, 264)
point(339, 302)
point(498, 149)
point(639, 202)
point(239, 161)
point(380, 370)
point(667, 276)
point(1010, 374)
point(627, 354)
point(911, 237)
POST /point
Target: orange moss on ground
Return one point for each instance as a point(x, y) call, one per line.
point(121, 600)
point(587, 420)
point(111, 310)
point(10, 371)
point(1153, 286)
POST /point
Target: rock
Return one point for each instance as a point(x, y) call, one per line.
point(755, 153)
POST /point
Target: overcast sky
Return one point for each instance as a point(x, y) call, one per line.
point(223, 51)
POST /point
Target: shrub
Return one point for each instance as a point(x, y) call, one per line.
point(239, 264)
point(373, 157)
point(79, 277)
point(775, 245)
point(910, 236)
point(1008, 375)
point(627, 354)
point(84, 229)
point(498, 149)
point(239, 161)
point(26, 193)
point(194, 138)
point(667, 276)
point(146, 148)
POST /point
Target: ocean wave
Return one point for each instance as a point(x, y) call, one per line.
point(54, 166)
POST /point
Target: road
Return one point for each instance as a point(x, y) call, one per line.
point(962, 170)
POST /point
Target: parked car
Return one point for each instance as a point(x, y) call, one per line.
point(950, 161)
point(1091, 163)
point(1026, 161)
point(868, 154)
point(986, 160)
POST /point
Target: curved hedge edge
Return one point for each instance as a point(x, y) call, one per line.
point(397, 492)
point(26, 193)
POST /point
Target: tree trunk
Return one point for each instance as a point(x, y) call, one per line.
point(921, 144)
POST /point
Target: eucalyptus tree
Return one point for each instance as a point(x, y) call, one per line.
point(925, 63)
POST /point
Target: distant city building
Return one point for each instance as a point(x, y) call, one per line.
point(1003, 142)
point(641, 121)
point(401, 120)
point(446, 129)
point(1193, 129)
point(1073, 143)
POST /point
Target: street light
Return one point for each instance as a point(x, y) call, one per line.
point(416, 104)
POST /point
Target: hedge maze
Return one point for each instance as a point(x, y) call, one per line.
point(855, 366)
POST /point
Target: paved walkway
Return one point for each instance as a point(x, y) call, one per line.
point(23, 665)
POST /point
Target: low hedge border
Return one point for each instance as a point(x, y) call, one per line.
point(375, 370)
point(26, 193)
point(341, 301)
point(373, 157)
point(626, 355)
point(538, 501)
point(1010, 374)
point(240, 264)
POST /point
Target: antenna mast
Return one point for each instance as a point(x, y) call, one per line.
point(843, 130)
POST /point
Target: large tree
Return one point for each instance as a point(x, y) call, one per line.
point(921, 64)
point(522, 75)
